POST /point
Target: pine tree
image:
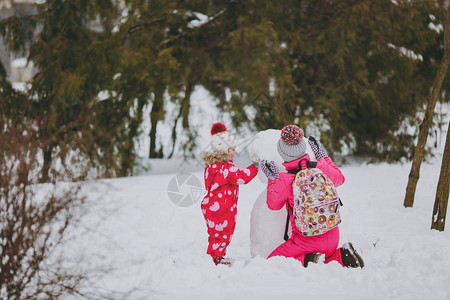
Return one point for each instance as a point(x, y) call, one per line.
point(148, 52)
point(72, 47)
point(351, 68)
point(355, 71)
point(358, 71)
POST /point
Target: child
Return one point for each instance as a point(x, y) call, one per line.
point(222, 178)
point(291, 148)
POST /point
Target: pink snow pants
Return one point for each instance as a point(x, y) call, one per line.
point(298, 246)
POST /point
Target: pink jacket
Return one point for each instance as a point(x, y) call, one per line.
point(280, 190)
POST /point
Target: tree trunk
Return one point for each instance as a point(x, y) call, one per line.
point(156, 115)
point(185, 107)
point(45, 176)
point(427, 121)
point(127, 153)
point(443, 189)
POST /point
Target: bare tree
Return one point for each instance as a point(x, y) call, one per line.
point(443, 188)
point(428, 119)
point(33, 220)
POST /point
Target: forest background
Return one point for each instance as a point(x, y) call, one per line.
point(360, 72)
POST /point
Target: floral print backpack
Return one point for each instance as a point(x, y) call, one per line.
point(316, 202)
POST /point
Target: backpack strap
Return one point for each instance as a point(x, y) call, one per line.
point(286, 236)
point(309, 165)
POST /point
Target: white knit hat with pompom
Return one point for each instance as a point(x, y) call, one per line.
point(221, 139)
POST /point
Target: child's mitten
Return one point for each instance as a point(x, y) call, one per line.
point(317, 148)
point(254, 159)
point(269, 169)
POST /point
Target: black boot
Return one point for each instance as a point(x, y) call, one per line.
point(351, 258)
point(222, 261)
point(311, 257)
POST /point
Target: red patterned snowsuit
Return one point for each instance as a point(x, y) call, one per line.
point(219, 206)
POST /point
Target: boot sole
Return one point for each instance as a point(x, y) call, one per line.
point(226, 262)
point(317, 257)
point(359, 259)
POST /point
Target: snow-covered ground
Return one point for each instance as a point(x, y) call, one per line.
point(140, 239)
point(151, 248)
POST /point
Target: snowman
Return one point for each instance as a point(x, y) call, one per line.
point(267, 226)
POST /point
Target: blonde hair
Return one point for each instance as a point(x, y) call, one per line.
point(215, 157)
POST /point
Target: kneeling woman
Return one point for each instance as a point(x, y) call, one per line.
point(292, 147)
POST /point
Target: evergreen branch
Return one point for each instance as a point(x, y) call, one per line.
point(139, 27)
point(183, 34)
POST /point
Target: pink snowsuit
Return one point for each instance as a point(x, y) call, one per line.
point(280, 190)
point(219, 206)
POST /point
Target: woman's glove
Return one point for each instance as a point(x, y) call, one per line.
point(269, 169)
point(317, 148)
point(254, 159)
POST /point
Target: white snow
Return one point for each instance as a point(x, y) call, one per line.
point(21, 70)
point(152, 249)
point(200, 20)
point(103, 95)
point(21, 86)
point(135, 243)
point(407, 52)
point(19, 62)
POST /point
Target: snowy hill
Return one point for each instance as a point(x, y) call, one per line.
point(137, 241)
point(151, 248)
